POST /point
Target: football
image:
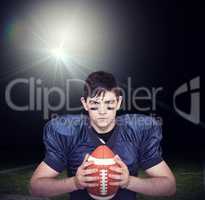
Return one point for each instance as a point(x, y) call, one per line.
point(102, 158)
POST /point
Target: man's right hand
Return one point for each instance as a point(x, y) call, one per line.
point(82, 178)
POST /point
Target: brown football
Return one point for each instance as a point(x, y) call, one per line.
point(102, 158)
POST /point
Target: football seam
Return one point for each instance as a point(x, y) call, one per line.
point(103, 181)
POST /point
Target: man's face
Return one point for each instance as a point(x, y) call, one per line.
point(102, 110)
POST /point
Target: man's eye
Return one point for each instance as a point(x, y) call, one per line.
point(110, 108)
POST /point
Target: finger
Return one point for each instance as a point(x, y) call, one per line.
point(115, 176)
point(119, 161)
point(83, 185)
point(91, 178)
point(85, 158)
point(89, 171)
point(116, 169)
point(91, 184)
point(117, 183)
point(86, 164)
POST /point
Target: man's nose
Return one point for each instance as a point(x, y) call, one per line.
point(102, 109)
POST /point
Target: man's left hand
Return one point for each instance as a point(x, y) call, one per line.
point(122, 177)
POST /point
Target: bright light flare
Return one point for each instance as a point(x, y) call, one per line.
point(76, 38)
point(58, 54)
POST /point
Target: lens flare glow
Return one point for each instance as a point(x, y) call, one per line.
point(72, 37)
point(58, 53)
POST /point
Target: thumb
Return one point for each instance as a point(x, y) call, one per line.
point(119, 161)
point(117, 157)
point(85, 158)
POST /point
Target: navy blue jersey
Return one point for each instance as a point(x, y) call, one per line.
point(136, 139)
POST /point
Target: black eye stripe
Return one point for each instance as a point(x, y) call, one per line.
point(93, 108)
point(96, 108)
point(110, 108)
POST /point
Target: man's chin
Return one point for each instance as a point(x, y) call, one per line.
point(103, 125)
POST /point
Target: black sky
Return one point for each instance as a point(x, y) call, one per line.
point(170, 53)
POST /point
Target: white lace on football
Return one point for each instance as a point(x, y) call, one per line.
point(103, 181)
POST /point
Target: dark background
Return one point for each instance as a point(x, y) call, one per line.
point(158, 44)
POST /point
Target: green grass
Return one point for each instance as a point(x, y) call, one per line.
point(189, 178)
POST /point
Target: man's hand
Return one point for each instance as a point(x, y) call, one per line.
point(122, 178)
point(82, 178)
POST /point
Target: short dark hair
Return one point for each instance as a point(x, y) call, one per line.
point(99, 82)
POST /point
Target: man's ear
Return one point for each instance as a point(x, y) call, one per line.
point(83, 101)
point(119, 102)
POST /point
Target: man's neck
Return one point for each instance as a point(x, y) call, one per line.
point(104, 130)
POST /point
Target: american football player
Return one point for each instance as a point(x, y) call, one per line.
point(134, 138)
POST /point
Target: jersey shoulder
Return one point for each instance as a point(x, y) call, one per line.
point(139, 123)
point(67, 125)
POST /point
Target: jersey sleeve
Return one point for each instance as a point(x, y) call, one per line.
point(54, 145)
point(150, 149)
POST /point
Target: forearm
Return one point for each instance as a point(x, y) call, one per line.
point(48, 187)
point(155, 186)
